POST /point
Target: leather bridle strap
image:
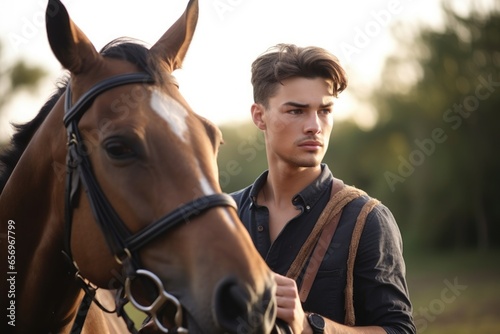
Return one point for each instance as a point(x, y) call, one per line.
point(121, 242)
point(118, 237)
point(77, 162)
point(76, 111)
point(79, 166)
point(180, 215)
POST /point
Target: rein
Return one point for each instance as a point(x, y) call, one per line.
point(122, 243)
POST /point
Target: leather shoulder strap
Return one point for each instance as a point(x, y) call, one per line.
point(321, 247)
point(306, 249)
point(350, 319)
point(324, 229)
point(320, 238)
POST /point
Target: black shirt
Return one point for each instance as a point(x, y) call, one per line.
point(380, 292)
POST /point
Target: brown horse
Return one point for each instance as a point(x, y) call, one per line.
point(115, 182)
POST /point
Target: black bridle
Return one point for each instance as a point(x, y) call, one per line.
point(122, 243)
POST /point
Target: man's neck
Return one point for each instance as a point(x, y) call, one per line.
point(284, 183)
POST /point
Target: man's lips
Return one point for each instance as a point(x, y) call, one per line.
point(311, 144)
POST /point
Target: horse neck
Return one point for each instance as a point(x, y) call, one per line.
point(33, 200)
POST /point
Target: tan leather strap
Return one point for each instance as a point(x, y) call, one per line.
point(326, 215)
point(320, 239)
point(317, 257)
point(350, 318)
point(340, 196)
point(321, 247)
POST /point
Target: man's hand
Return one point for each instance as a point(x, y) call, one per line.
point(289, 306)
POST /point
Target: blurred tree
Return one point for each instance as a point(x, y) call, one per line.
point(242, 157)
point(441, 127)
point(16, 77)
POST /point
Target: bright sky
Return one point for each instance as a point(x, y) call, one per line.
point(215, 79)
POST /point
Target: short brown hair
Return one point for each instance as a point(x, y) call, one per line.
point(285, 61)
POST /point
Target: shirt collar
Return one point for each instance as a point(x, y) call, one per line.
point(257, 185)
point(307, 197)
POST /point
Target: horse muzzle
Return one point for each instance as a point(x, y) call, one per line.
point(236, 309)
point(239, 309)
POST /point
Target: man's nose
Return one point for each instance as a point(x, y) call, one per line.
point(313, 124)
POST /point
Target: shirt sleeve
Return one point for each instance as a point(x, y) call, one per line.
point(381, 295)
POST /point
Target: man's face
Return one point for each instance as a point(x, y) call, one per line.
point(297, 122)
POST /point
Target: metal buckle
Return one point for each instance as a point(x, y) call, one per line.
point(72, 140)
point(122, 257)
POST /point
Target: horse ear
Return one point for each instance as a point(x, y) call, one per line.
point(70, 45)
point(173, 45)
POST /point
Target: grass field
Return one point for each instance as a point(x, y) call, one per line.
point(452, 293)
point(455, 292)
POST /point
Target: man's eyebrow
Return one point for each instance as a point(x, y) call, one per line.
point(302, 105)
point(295, 104)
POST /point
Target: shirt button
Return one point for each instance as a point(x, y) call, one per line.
point(260, 228)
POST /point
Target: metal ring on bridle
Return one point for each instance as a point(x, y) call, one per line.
point(160, 301)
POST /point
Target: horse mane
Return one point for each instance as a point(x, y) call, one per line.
point(127, 49)
point(22, 136)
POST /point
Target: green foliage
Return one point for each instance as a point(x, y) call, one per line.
point(15, 77)
point(242, 157)
point(451, 189)
point(25, 76)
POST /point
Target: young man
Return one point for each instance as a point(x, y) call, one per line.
point(294, 93)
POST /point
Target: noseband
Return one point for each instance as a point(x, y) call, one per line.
point(123, 244)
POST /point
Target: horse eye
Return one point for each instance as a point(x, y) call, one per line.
point(119, 150)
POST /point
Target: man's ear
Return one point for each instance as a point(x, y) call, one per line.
point(258, 115)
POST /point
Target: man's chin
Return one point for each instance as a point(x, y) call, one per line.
point(308, 163)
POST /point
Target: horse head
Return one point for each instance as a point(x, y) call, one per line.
point(144, 208)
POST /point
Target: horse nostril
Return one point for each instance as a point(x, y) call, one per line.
point(238, 310)
point(231, 301)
